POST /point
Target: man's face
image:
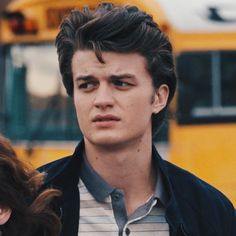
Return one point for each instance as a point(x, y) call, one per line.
point(114, 101)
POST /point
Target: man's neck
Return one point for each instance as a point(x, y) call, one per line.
point(128, 168)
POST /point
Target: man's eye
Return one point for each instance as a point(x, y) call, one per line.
point(87, 85)
point(120, 83)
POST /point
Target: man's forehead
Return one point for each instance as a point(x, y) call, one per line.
point(85, 61)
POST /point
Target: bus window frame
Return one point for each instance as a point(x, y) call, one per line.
point(52, 133)
point(214, 113)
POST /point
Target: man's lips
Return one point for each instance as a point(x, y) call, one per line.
point(104, 118)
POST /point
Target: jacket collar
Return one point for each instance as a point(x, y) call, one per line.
point(64, 175)
point(173, 215)
point(66, 169)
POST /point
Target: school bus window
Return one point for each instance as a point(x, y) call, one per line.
point(228, 72)
point(45, 101)
point(194, 83)
point(206, 89)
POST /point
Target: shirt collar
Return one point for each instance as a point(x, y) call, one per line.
point(95, 184)
point(160, 189)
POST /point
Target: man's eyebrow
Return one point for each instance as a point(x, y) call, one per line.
point(123, 76)
point(84, 77)
point(113, 77)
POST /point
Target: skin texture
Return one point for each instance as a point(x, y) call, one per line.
point(5, 214)
point(114, 103)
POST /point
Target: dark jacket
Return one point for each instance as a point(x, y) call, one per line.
point(194, 208)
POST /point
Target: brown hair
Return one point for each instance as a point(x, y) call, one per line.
point(117, 29)
point(19, 184)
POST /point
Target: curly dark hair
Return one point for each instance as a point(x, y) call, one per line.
point(19, 185)
point(122, 29)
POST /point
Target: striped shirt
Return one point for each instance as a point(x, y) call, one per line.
point(103, 213)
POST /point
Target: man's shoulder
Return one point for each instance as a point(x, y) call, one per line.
point(200, 200)
point(54, 168)
point(63, 172)
point(183, 179)
point(192, 190)
point(54, 164)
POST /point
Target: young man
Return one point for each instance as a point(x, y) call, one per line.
point(118, 67)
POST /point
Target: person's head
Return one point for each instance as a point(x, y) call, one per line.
point(22, 210)
point(122, 30)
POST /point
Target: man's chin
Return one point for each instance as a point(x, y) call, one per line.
point(108, 142)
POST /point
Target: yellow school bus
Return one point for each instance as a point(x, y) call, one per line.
point(38, 116)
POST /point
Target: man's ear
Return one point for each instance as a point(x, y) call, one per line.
point(5, 214)
point(160, 98)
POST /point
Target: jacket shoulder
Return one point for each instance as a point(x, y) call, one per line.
point(54, 168)
point(196, 195)
point(184, 180)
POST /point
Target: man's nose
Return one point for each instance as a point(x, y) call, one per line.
point(104, 97)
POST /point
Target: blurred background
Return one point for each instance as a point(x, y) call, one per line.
point(3, 4)
point(200, 131)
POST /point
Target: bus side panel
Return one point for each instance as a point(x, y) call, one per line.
point(207, 151)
